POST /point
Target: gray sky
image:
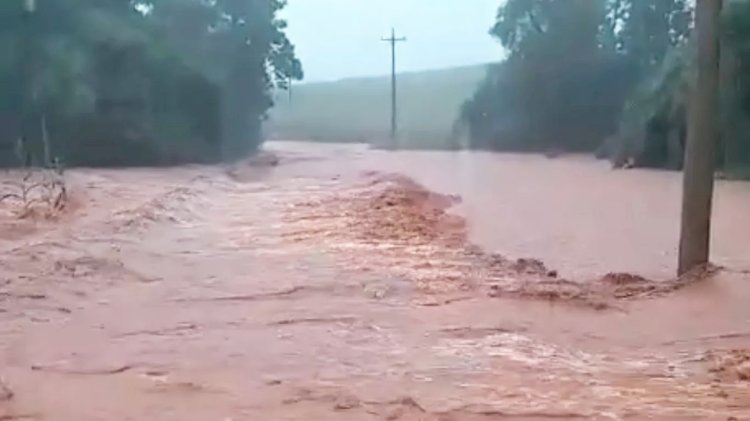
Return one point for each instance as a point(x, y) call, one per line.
point(341, 38)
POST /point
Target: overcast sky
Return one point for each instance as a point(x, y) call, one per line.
point(341, 38)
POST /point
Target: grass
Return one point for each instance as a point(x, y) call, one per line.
point(358, 110)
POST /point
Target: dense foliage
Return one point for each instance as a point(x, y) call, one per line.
point(608, 76)
point(735, 74)
point(654, 123)
point(125, 82)
point(572, 67)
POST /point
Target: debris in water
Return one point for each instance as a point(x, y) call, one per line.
point(730, 365)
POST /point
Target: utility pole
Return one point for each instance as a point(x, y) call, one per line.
point(394, 116)
point(703, 135)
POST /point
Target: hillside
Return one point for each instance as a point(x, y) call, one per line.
point(358, 110)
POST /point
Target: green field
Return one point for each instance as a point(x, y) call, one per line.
point(358, 110)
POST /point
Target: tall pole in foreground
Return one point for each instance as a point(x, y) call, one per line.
point(394, 116)
point(703, 134)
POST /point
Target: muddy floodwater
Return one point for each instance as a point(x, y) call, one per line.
point(352, 284)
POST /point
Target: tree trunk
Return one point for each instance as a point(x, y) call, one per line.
point(703, 133)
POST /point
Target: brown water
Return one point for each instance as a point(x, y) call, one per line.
point(329, 288)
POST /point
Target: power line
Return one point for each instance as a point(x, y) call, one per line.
point(394, 116)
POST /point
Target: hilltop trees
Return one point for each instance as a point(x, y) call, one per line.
point(122, 82)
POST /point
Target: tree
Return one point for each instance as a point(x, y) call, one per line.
point(560, 88)
point(241, 46)
point(124, 82)
point(650, 28)
point(702, 139)
point(578, 75)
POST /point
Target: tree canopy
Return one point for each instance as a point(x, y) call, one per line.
point(125, 82)
point(572, 65)
point(607, 76)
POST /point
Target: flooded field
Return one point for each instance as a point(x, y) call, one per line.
point(349, 284)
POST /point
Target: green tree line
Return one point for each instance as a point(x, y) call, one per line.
point(607, 76)
point(138, 82)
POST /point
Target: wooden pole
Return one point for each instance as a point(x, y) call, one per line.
point(703, 134)
point(394, 103)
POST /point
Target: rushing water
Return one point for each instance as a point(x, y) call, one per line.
point(312, 292)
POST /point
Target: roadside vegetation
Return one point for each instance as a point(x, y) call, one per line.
point(611, 78)
point(138, 82)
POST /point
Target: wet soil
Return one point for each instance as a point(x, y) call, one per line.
point(333, 285)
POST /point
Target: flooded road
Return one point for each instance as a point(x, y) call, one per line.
point(575, 213)
point(348, 284)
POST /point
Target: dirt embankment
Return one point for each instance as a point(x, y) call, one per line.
point(392, 221)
